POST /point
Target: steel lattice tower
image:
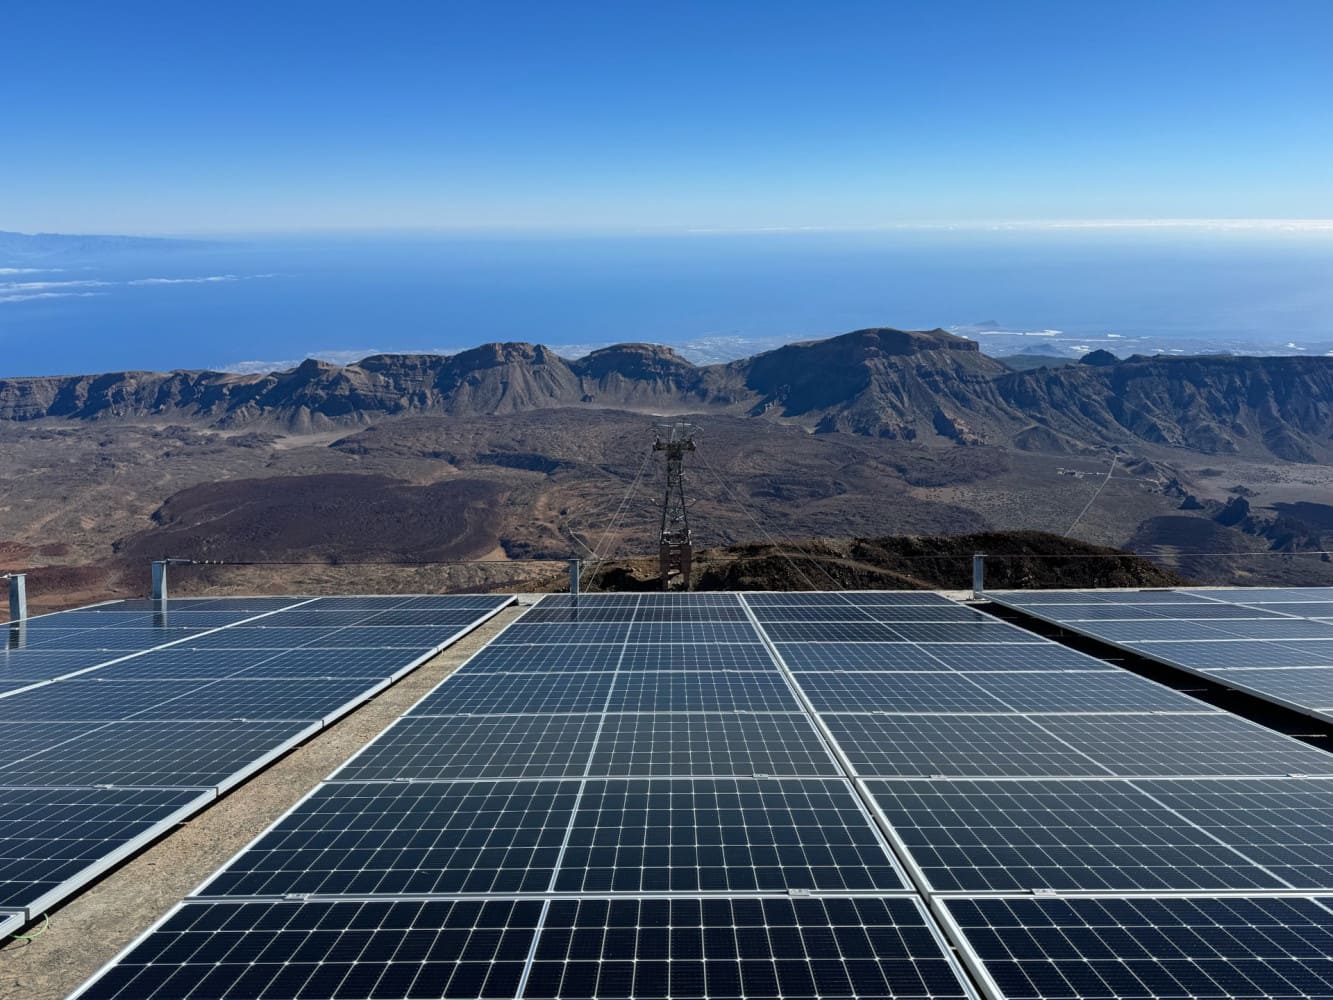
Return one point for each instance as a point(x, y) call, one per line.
point(674, 547)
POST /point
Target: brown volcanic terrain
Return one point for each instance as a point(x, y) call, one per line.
point(511, 452)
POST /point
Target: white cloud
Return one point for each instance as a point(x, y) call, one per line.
point(24, 291)
point(29, 270)
point(209, 280)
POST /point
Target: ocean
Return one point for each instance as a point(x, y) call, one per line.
point(266, 303)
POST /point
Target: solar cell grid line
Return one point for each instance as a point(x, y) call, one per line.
point(1236, 654)
point(727, 835)
point(89, 699)
point(58, 839)
point(1284, 824)
point(548, 633)
point(451, 949)
point(677, 656)
point(320, 699)
point(209, 754)
point(701, 691)
point(911, 691)
point(1009, 656)
point(860, 656)
point(1057, 835)
point(408, 837)
point(954, 745)
point(1262, 595)
point(120, 656)
point(1145, 948)
point(1168, 745)
point(500, 693)
point(1217, 659)
point(22, 739)
point(1085, 691)
point(532, 658)
point(709, 744)
point(851, 947)
point(689, 631)
point(1303, 688)
point(435, 748)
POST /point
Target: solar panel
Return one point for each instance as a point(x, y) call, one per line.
point(740, 948)
point(1237, 654)
point(701, 691)
point(1223, 639)
point(409, 837)
point(1234, 948)
point(998, 836)
point(709, 744)
point(492, 694)
point(1193, 744)
point(426, 748)
point(1084, 691)
point(904, 692)
point(151, 754)
point(528, 658)
point(722, 835)
point(972, 657)
point(863, 631)
point(613, 632)
point(52, 840)
point(697, 656)
point(455, 949)
point(90, 699)
point(1306, 686)
point(1283, 825)
point(691, 631)
point(858, 656)
point(954, 746)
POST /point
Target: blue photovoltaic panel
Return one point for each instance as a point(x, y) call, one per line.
point(709, 744)
point(1233, 948)
point(740, 948)
point(701, 691)
point(152, 753)
point(1226, 635)
point(904, 692)
point(1191, 744)
point(601, 632)
point(1013, 836)
point(955, 746)
point(409, 837)
point(1084, 691)
point(86, 698)
point(858, 656)
point(54, 838)
point(429, 748)
point(722, 835)
point(358, 950)
point(492, 694)
point(1286, 826)
point(527, 658)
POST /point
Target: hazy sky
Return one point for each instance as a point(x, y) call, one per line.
point(189, 117)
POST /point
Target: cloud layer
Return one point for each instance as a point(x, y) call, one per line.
point(25, 291)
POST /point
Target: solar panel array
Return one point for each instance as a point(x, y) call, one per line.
point(592, 808)
point(121, 720)
point(1272, 642)
point(621, 796)
point(1079, 830)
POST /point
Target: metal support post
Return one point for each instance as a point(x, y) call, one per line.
point(978, 574)
point(574, 577)
point(18, 596)
point(160, 580)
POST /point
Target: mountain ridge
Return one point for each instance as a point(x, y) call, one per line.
point(922, 386)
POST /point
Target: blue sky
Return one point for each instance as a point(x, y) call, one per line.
point(185, 117)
